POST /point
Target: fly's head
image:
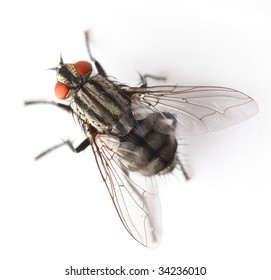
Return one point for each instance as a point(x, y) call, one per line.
point(71, 77)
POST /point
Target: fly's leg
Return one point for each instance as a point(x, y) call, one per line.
point(66, 108)
point(59, 105)
point(185, 174)
point(102, 72)
point(81, 147)
point(143, 79)
point(99, 67)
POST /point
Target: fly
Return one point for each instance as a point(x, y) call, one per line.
point(134, 132)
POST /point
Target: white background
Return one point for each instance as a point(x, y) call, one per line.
point(56, 212)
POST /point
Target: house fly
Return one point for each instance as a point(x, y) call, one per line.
point(134, 132)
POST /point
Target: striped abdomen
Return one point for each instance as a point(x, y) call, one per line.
point(101, 104)
point(148, 149)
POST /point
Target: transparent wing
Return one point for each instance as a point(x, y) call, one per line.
point(197, 109)
point(138, 207)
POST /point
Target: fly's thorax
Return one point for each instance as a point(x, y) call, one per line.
point(147, 150)
point(103, 105)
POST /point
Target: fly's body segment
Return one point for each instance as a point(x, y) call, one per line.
point(134, 132)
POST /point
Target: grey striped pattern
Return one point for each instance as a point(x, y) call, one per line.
point(148, 151)
point(102, 104)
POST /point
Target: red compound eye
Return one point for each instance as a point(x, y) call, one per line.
point(61, 90)
point(83, 67)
